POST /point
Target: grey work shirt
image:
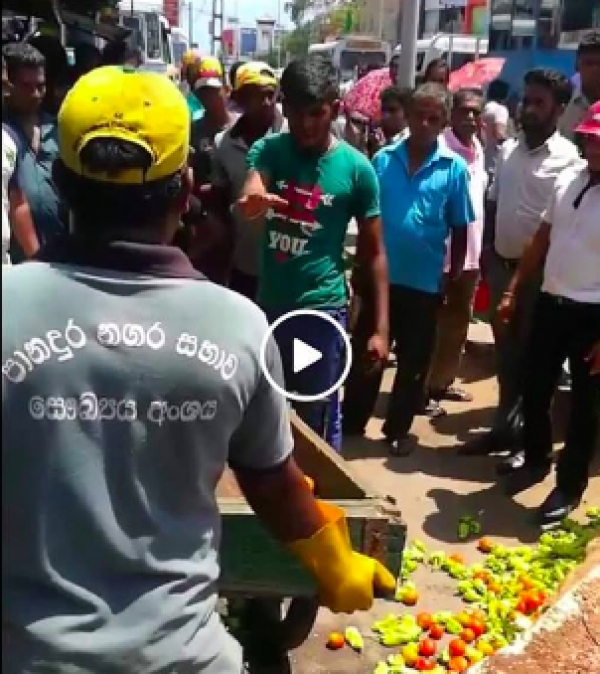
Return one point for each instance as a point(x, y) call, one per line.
point(229, 170)
point(128, 385)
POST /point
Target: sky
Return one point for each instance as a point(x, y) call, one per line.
point(247, 11)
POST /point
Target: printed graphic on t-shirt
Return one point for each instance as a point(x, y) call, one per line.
point(295, 224)
point(71, 341)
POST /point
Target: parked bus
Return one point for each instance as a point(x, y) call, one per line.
point(150, 32)
point(353, 52)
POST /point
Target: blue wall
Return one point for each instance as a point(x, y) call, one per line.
point(519, 62)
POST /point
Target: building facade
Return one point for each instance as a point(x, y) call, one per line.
point(381, 18)
point(443, 16)
point(543, 24)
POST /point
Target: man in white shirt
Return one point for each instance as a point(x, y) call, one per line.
point(495, 120)
point(566, 324)
point(587, 91)
point(16, 215)
point(525, 173)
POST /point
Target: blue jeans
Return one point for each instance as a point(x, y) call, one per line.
point(323, 416)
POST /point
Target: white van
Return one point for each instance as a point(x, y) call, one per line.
point(352, 51)
point(456, 50)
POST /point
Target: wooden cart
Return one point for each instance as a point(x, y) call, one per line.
point(258, 575)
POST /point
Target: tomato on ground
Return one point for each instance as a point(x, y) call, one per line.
point(457, 647)
point(437, 632)
point(458, 664)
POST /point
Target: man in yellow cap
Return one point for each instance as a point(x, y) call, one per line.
point(189, 63)
point(255, 94)
point(130, 382)
point(204, 237)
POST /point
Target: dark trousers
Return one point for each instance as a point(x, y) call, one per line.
point(562, 330)
point(323, 415)
point(511, 344)
point(413, 321)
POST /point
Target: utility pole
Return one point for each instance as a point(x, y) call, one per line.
point(408, 43)
point(279, 34)
point(190, 9)
point(217, 15)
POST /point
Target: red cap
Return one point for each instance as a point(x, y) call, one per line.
point(590, 124)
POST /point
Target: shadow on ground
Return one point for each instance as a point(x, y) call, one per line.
point(497, 514)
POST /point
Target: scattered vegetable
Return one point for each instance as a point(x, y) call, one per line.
point(427, 647)
point(354, 639)
point(335, 641)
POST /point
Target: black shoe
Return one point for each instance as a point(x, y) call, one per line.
point(525, 477)
point(453, 394)
point(433, 410)
point(487, 444)
point(401, 446)
point(557, 507)
point(511, 464)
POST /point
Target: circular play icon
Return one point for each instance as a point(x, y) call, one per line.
point(303, 336)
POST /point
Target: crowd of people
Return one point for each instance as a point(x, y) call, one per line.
point(130, 380)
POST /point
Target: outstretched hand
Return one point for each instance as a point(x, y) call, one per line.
point(253, 206)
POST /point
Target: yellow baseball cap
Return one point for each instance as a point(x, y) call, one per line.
point(144, 108)
point(191, 56)
point(254, 72)
point(208, 73)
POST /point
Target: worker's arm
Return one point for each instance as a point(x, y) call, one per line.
point(261, 456)
point(21, 221)
point(268, 493)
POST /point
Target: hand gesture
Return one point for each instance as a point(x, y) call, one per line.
point(254, 206)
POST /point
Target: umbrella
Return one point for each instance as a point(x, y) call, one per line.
point(363, 98)
point(477, 73)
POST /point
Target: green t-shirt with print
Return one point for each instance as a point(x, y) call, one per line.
point(303, 247)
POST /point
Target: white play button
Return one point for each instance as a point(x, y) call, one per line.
point(304, 355)
point(300, 355)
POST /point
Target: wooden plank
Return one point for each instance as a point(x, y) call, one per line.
point(333, 477)
point(256, 565)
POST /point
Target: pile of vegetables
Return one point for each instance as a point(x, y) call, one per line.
point(504, 594)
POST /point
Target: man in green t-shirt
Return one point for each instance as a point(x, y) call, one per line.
point(306, 186)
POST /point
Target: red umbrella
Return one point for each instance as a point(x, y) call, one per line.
point(477, 73)
point(363, 98)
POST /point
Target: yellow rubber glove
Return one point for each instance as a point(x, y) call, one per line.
point(347, 580)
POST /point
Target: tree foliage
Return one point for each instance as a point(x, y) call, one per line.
point(340, 19)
